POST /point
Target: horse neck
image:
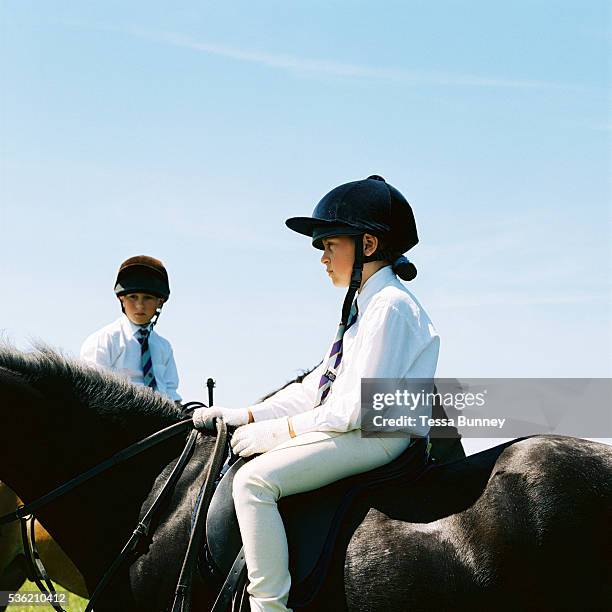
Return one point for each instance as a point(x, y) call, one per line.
point(47, 436)
point(44, 443)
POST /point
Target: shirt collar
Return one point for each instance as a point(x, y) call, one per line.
point(129, 328)
point(381, 278)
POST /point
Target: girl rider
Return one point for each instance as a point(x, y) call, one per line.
point(309, 433)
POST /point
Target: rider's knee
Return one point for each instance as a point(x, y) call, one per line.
point(249, 484)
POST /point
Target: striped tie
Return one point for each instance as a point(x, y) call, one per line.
point(148, 375)
point(334, 359)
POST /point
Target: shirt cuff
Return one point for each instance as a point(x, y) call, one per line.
point(263, 412)
point(305, 421)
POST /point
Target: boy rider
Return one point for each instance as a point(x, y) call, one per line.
point(129, 345)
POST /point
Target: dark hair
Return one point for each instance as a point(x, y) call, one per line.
point(405, 269)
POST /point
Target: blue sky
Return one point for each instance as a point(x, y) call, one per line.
point(190, 132)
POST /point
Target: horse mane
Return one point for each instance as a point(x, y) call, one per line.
point(70, 381)
point(112, 396)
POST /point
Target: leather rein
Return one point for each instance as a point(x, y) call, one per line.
point(25, 512)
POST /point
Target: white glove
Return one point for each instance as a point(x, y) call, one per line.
point(256, 438)
point(203, 417)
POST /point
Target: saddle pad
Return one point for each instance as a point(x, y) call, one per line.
point(312, 520)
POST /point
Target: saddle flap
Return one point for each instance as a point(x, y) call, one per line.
point(222, 532)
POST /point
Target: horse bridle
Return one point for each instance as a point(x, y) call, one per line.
point(25, 512)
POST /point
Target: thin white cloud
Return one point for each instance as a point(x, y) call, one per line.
point(306, 66)
point(338, 69)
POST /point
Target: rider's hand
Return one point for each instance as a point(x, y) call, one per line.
point(260, 437)
point(203, 417)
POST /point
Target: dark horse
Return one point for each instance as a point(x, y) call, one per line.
point(524, 525)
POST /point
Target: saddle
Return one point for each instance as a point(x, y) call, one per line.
point(312, 520)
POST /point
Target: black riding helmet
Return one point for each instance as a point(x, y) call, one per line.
point(369, 206)
point(143, 274)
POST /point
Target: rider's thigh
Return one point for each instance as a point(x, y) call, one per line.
point(316, 459)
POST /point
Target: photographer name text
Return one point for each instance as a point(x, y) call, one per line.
point(421, 420)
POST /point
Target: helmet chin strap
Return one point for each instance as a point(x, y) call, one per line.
point(155, 317)
point(356, 276)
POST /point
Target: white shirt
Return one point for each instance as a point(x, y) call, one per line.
point(392, 338)
point(116, 348)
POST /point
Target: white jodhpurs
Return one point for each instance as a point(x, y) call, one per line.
point(304, 463)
